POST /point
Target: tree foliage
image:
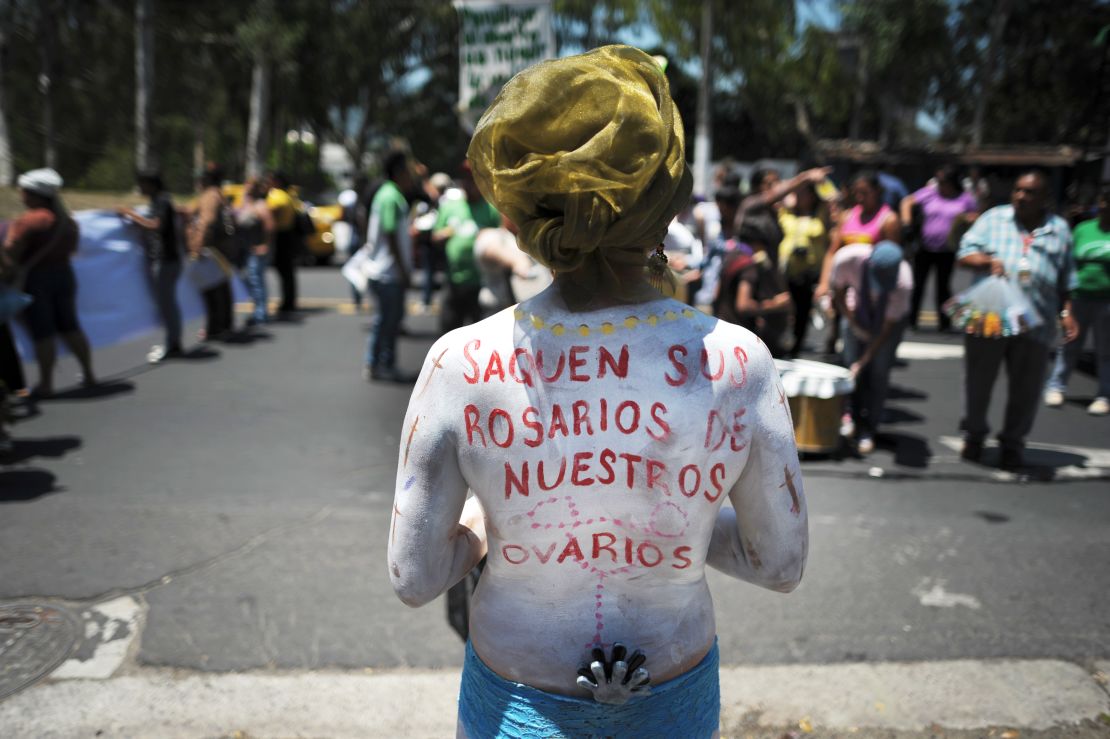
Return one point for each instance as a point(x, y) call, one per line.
point(1053, 83)
point(363, 73)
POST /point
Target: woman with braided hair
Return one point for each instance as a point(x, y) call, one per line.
point(601, 426)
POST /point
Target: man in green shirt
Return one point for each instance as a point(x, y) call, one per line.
point(1090, 301)
point(457, 226)
point(388, 268)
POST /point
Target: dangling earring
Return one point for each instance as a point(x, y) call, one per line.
point(659, 274)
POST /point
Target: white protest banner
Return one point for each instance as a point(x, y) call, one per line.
point(497, 39)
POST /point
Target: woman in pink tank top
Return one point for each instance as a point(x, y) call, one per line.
point(868, 222)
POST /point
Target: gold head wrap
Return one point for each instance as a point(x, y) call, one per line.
point(586, 155)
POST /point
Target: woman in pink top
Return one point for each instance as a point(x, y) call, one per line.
point(869, 221)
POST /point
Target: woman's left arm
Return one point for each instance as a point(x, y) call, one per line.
point(763, 538)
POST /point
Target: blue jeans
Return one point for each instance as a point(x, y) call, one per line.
point(873, 382)
point(256, 285)
point(1092, 315)
point(381, 348)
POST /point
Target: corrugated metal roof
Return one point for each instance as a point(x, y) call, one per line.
point(1012, 155)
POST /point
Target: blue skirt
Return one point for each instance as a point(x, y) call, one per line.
point(686, 707)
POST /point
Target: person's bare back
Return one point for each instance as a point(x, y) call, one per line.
point(601, 446)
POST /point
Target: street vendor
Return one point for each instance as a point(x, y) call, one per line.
point(601, 427)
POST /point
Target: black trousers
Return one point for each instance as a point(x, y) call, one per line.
point(801, 293)
point(286, 250)
point(923, 262)
point(217, 304)
point(460, 307)
point(11, 368)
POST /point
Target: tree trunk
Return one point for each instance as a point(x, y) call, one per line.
point(198, 145)
point(256, 127)
point(987, 72)
point(855, 127)
point(46, 72)
point(702, 142)
point(7, 167)
point(144, 75)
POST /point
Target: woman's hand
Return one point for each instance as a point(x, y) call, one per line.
point(1070, 327)
point(474, 518)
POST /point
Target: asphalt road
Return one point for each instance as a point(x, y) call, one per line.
point(244, 499)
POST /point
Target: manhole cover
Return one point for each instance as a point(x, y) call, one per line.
point(34, 639)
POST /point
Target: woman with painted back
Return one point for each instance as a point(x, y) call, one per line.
point(601, 427)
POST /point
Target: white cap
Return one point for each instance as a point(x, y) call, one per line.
point(440, 181)
point(45, 182)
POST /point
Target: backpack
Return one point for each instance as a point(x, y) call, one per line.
point(303, 224)
point(223, 234)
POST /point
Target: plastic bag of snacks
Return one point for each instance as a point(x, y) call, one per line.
point(993, 308)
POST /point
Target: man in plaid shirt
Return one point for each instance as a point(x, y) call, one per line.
point(1032, 247)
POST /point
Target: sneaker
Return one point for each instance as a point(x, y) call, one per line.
point(865, 445)
point(159, 353)
point(1053, 398)
point(972, 450)
point(847, 426)
point(1099, 407)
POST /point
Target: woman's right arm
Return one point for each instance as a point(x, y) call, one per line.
point(836, 239)
point(433, 541)
point(763, 538)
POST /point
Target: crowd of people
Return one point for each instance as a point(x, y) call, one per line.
point(789, 254)
point(446, 221)
point(778, 259)
point(209, 241)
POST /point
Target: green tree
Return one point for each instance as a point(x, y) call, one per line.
point(1052, 84)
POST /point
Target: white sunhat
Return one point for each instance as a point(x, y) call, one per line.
point(45, 182)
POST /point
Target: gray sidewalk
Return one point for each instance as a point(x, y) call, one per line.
point(955, 698)
point(102, 691)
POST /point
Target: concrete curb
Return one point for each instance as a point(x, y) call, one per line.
point(964, 694)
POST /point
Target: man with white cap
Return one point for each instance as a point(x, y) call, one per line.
point(872, 288)
point(38, 247)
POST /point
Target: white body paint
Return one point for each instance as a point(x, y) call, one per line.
point(606, 554)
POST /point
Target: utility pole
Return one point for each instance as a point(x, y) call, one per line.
point(702, 140)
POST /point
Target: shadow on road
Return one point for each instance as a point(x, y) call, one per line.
point(106, 389)
point(25, 449)
point(248, 337)
point(909, 450)
point(893, 414)
point(898, 392)
point(25, 484)
point(198, 354)
point(1040, 464)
